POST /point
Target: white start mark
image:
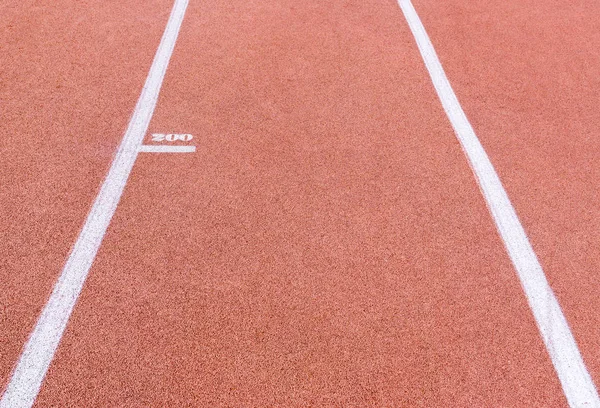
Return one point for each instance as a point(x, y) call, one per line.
point(167, 149)
point(171, 137)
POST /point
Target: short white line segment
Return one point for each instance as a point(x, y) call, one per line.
point(39, 350)
point(575, 379)
point(167, 149)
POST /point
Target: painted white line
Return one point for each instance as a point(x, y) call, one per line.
point(167, 149)
point(39, 350)
point(576, 381)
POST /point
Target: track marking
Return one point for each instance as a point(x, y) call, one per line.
point(576, 381)
point(167, 149)
point(171, 137)
point(39, 350)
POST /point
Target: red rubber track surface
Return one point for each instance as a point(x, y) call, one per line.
point(327, 244)
point(526, 74)
point(71, 73)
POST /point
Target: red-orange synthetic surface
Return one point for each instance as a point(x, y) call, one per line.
point(71, 73)
point(326, 244)
point(526, 74)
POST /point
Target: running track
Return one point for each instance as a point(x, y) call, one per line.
point(328, 243)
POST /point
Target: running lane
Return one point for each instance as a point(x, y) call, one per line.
point(71, 74)
point(526, 74)
point(326, 245)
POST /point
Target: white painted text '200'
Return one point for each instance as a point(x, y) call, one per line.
point(171, 137)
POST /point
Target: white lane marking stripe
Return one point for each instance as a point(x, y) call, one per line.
point(576, 381)
point(39, 350)
point(167, 149)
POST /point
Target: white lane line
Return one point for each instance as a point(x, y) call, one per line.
point(576, 381)
point(167, 149)
point(39, 350)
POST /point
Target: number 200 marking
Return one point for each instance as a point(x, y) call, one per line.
point(171, 137)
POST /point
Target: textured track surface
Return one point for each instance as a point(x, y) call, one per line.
point(71, 75)
point(327, 243)
point(530, 87)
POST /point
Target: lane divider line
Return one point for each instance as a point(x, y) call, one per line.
point(28, 375)
point(576, 381)
point(167, 149)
